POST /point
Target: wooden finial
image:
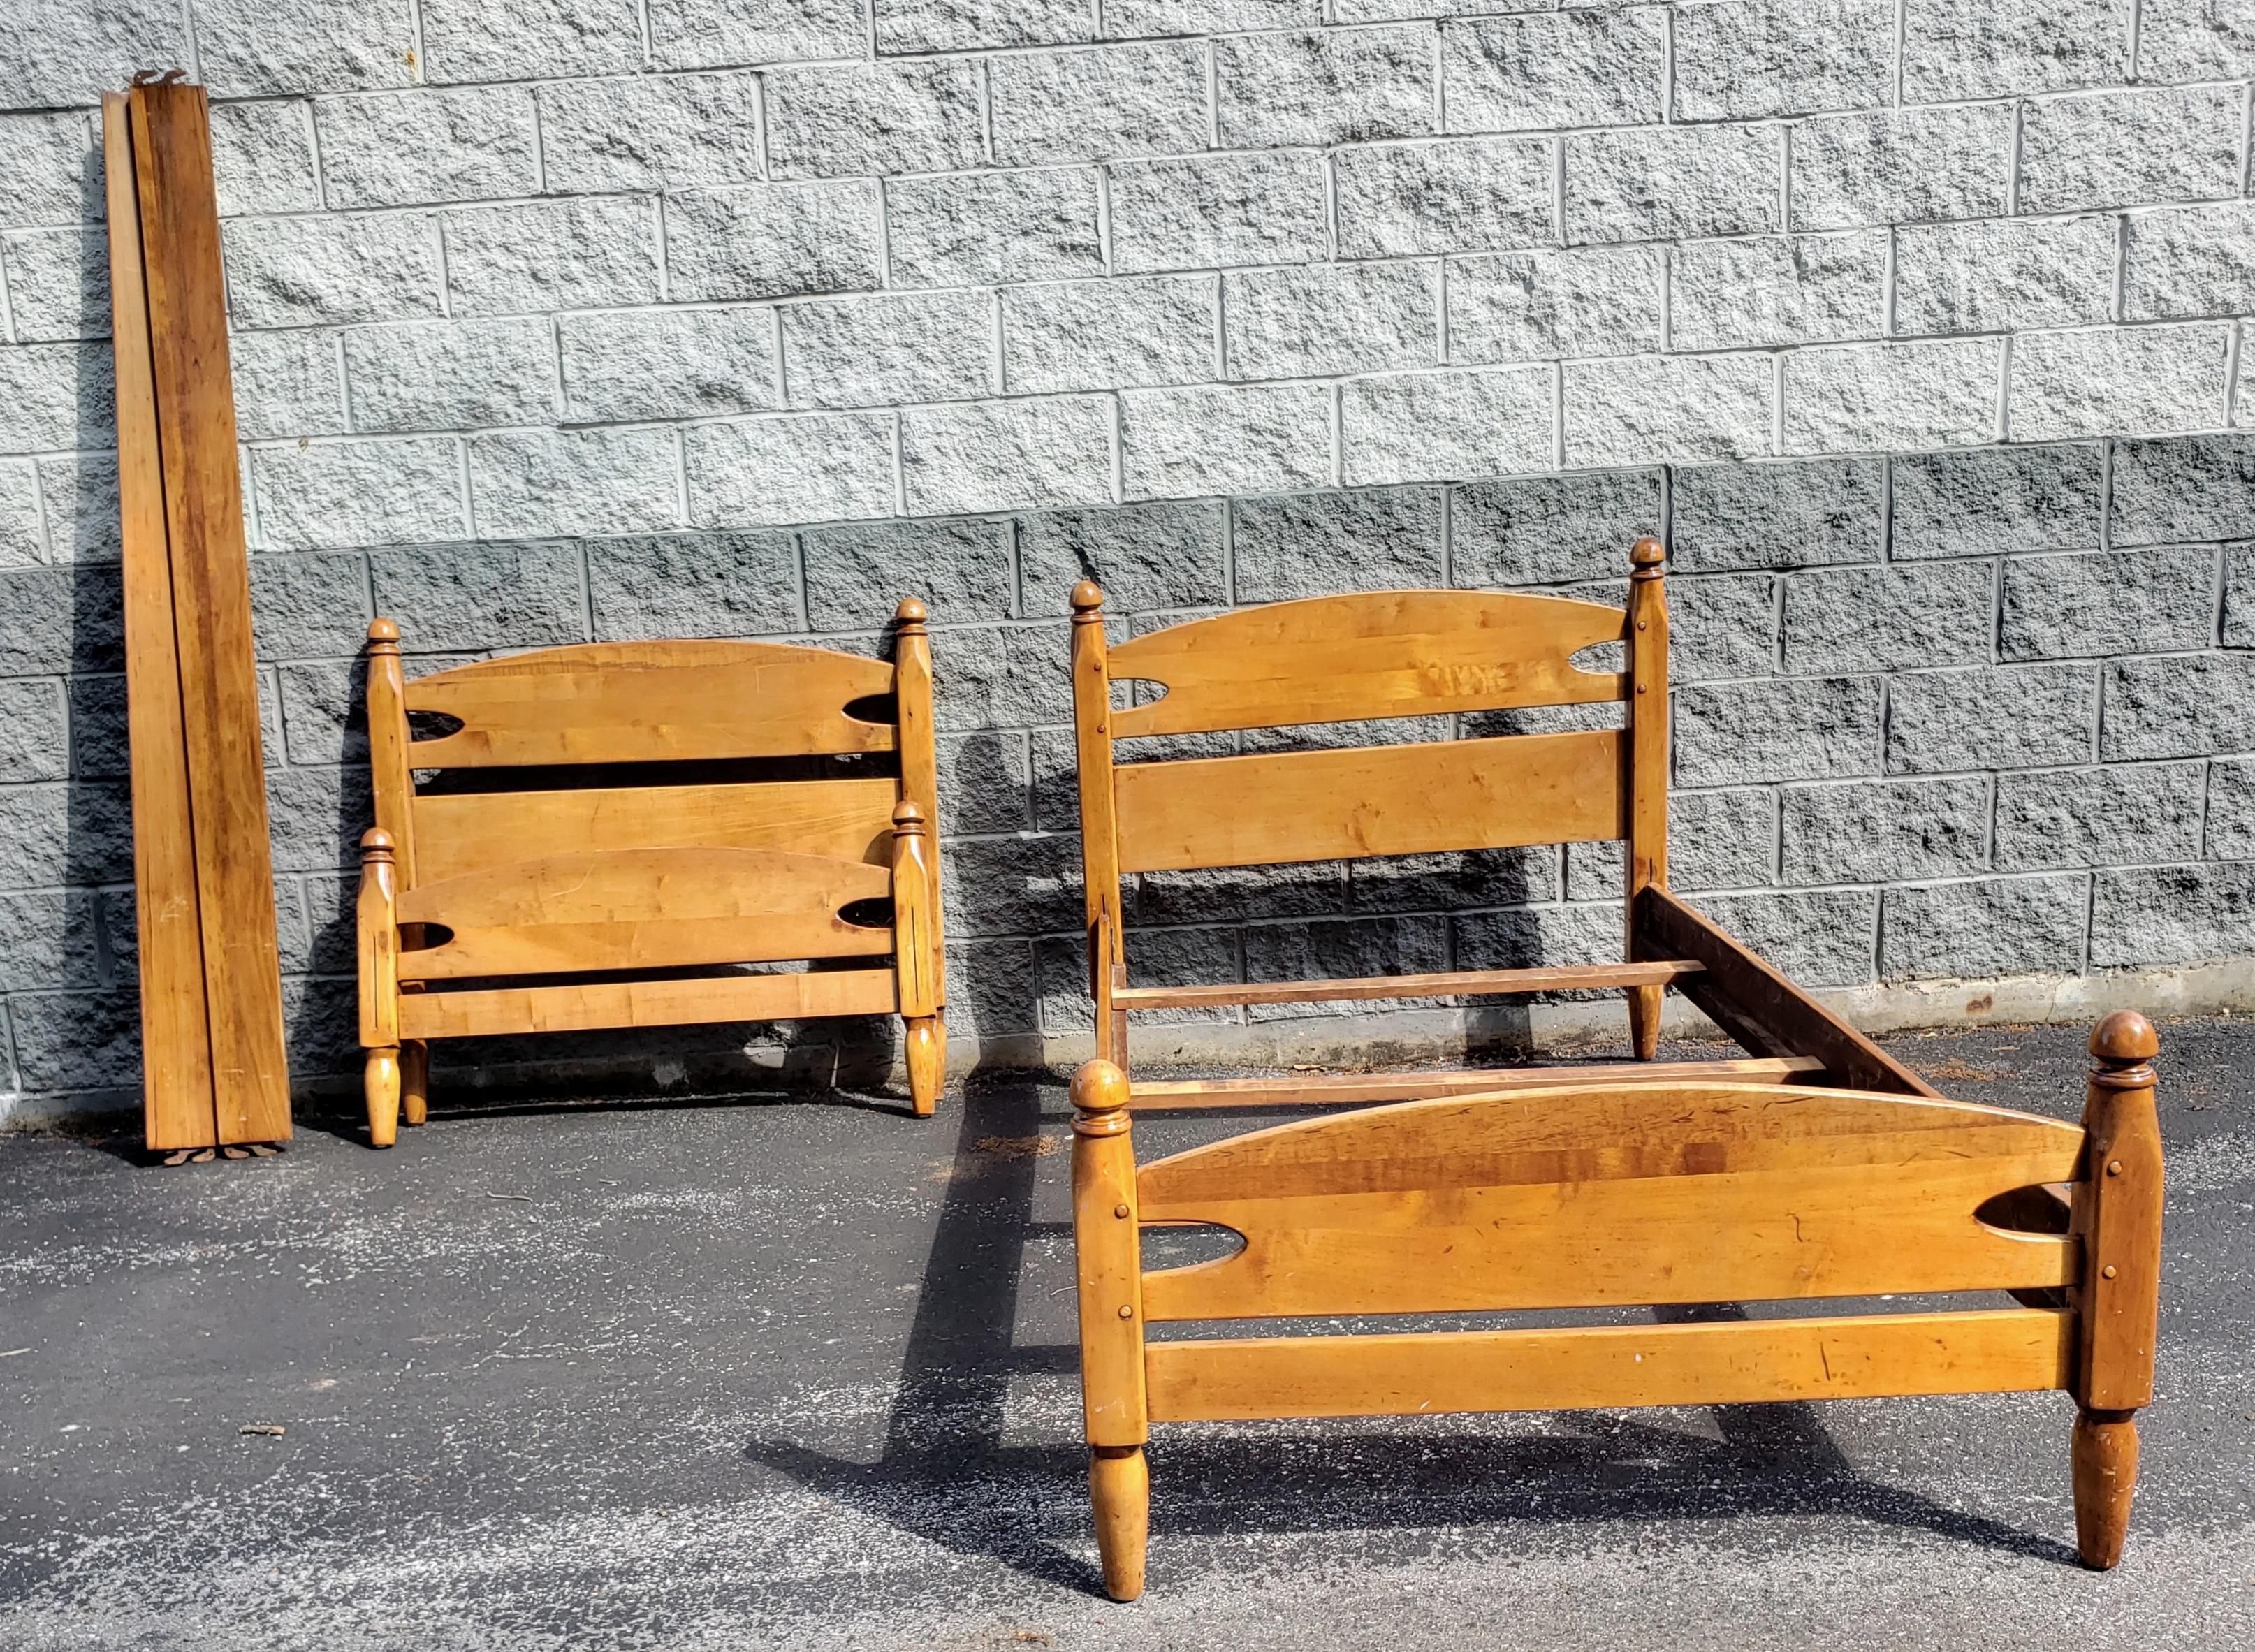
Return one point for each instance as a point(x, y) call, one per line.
point(1099, 1093)
point(907, 817)
point(1645, 557)
point(2120, 1045)
point(376, 844)
point(910, 615)
point(1087, 598)
point(382, 636)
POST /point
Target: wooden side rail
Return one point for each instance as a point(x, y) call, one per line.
point(1340, 1089)
point(1469, 983)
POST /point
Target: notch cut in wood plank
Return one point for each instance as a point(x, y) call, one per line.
point(1339, 1089)
point(1470, 983)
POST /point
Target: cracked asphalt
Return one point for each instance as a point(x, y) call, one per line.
point(798, 1371)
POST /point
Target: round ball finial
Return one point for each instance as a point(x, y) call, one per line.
point(376, 841)
point(905, 813)
point(911, 612)
point(1647, 553)
point(2125, 1036)
point(383, 630)
point(1087, 596)
point(1100, 1088)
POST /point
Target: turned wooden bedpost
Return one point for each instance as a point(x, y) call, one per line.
point(919, 744)
point(915, 942)
point(2117, 1217)
point(394, 785)
point(379, 985)
point(1107, 1247)
point(1647, 766)
point(1099, 848)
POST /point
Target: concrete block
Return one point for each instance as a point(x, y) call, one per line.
point(317, 816)
point(2155, 380)
point(1238, 894)
point(675, 363)
point(1550, 530)
point(693, 584)
point(1129, 17)
point(1086, 335)
point(952, 26)
point(51, 168)
point(1791, 290)
point(1646, 409)
point(80, 492)
point(2194, 40)
point(1598, 68)
point(2190, 261)
point(1884, 831)
point(1025, 884)
point(1438, 426)
point(1005, 677)
point(286, 384)
point(2238, 617)
point(994, 989)
point(322, 711)
point(23, 534)
point(821, 467)
point(1104, 104)
point(68, 1042)
point(59, 620)
point(1332, 319)
point(1983, 929)
point(1716, 840)
point(58, 283)
point(1821, 938)
point(2003, 276)
point(2230, 831)
point(98, 746)
point(649, 131)
point(1225, 440)
point(445, 375)
point(1539, 306)
point(300, 271)
point(1901, 166)
point(2000, 499)
point(1145, 556)
point(1158, 958)
point(2123, 814)
point(247, 49)
point(875, 118)
point(1208, 210)
point(985, 783)
point(1365, 540)
point(2172, 914)
point(34, 736)
point(689, 34)
point(1805, 728)
point(48, 939)
point(552, 256)
point(774, 241)
point(602, 480)
point(978, 227)
point(56, 396)
point(2184, 487)
point(1955, 49)
point(79, 49)
point(1988, 718)
point(394, 491)
point(2188, 705)
point(1347, 948)
point(1672, 183)
point(1538, 935)
point(855, 577)
point(1004, 455)
point(2106, 603)
point(871, 352)
point(263, 158)
point(516, 39)
point(1329, 86)
point(1888, 618)
point(1402, 199)
point(1747, 59)
point(395, 149)
point(1873, 397)
point(1719, 625)
point(475, 597)
point(2130, 149)
point(312, 605)
point(1455, 881)
point(77, 834)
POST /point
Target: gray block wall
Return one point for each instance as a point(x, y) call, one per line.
point(1914, 326)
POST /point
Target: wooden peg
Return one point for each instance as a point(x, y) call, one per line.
point(1107, 1247)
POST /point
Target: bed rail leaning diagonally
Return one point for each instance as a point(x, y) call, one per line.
point(1596, 1194)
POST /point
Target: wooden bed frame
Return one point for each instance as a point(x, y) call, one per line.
point(1402, 653)
point(621, 902)
point(1605, 1194)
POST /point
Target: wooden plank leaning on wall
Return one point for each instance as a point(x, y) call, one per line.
point(214, 1071)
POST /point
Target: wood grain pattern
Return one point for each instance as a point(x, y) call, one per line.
point(1470, 983)
point(482, 1012)
point(644, 702)
point(1646, 768)
point(1380, 654)
point(1584, 1197)
point(1099, 826)
point(2002, 1349)
point(1336, 1089)
point(643, 909)
point(1105, 1229)
point(1369, 800)
point(391, 779)
point(918, 742)
point(2117, 1217)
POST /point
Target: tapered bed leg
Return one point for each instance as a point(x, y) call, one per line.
point(2105, 1476)
point(1644, 1020)
point(927, 1057)
point(381, 1081)
point(414, 1082)
point(1120, 1480)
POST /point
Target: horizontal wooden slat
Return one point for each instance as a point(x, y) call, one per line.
point(1860, 1357)
point(1380, 654)
point(642, 909)
point(1470, 983)
point(1335, 1089)
point(1586, 1197)
point(1366, 800)
point(647, 1003)
point(844, 819)
point(645, 702)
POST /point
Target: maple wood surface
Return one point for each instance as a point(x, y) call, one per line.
point(1332, 1089)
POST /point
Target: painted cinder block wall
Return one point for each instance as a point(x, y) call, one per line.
point(1914, 326)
